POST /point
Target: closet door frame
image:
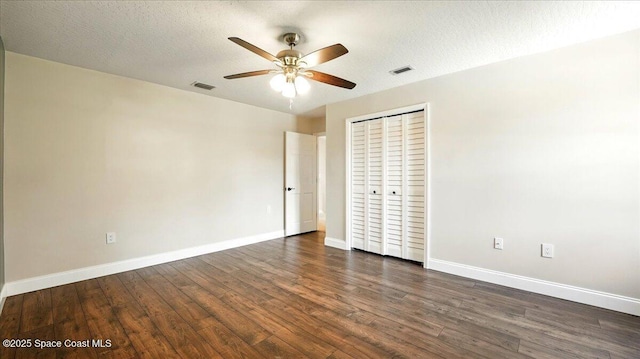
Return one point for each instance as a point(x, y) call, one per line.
point(396, 111)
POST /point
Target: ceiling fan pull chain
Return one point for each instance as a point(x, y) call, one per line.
point(290, 103)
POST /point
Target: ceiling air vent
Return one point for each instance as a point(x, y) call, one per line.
point(400, 70)
point(202, 86)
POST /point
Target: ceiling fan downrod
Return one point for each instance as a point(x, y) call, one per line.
point(291, 39)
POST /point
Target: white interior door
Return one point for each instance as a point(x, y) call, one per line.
point(300, 183)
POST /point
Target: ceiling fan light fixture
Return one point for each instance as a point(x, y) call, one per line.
point(289, 90)
point(277, 82)
point(302, 85)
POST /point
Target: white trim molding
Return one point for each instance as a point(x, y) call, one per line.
point(335, 243)
point(61, 278)
point(576, 294)
point(3, 297)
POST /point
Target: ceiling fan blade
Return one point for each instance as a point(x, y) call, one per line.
point(323, 55)
point(330, 79)
point(248, 74)
point(254, 49)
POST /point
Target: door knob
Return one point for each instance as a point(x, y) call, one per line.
point(290, 188)
point(374, 192)
point(394, 192)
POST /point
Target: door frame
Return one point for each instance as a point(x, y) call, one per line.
point(387, 113)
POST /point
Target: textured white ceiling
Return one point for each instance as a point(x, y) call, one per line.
point(177, 43)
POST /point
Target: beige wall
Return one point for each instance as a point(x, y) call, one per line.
point(543, 148)
point(89, 153)
point(311, 125)
point(2, 260)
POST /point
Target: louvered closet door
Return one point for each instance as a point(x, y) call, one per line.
point(415, 186)
point(358, 175)
point(374, 171)
point(388, 186)
point(393, 194)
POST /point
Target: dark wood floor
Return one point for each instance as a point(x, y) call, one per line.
point(295, 298)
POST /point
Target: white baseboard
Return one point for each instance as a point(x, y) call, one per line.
point(576, 294)
point(61, 278)
point(3, 296)
point(335, 243)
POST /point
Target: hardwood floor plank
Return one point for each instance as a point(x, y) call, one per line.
point(145, 337)
point(104, 325)
point(339, 354)
point(36, 311)
point(539, 351)
point(10, 323)
point(44, 334)
point(274, 347)
point(215, 261)
point(478, 346)
point(192, 271)
point(145, 295)
point(86, 286)
point(240, 279)
point(126, 277)
point(375, 337)
point(579, 328)
point(304, 341)
point(621, 328)
point(244, 327)
point(114, 290)
point(329, 302)
point(392, 310)
point(227, 343)
point(70, 323)
point(189, 310)
point(508, 342)
point(420, 339)
point(183, 338)
point(532, 332)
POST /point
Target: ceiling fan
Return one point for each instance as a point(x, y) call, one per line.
point(294, 66)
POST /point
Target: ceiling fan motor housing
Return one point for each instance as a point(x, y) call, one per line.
point(289, 57)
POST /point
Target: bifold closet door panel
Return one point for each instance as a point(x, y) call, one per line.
point(374, 170)
point(393, 194)
point(415, 145)
point(358, 185)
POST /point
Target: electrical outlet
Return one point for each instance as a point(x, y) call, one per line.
point(498, 243)
point(269, 209)
point(547, 250)
point(111, 237)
